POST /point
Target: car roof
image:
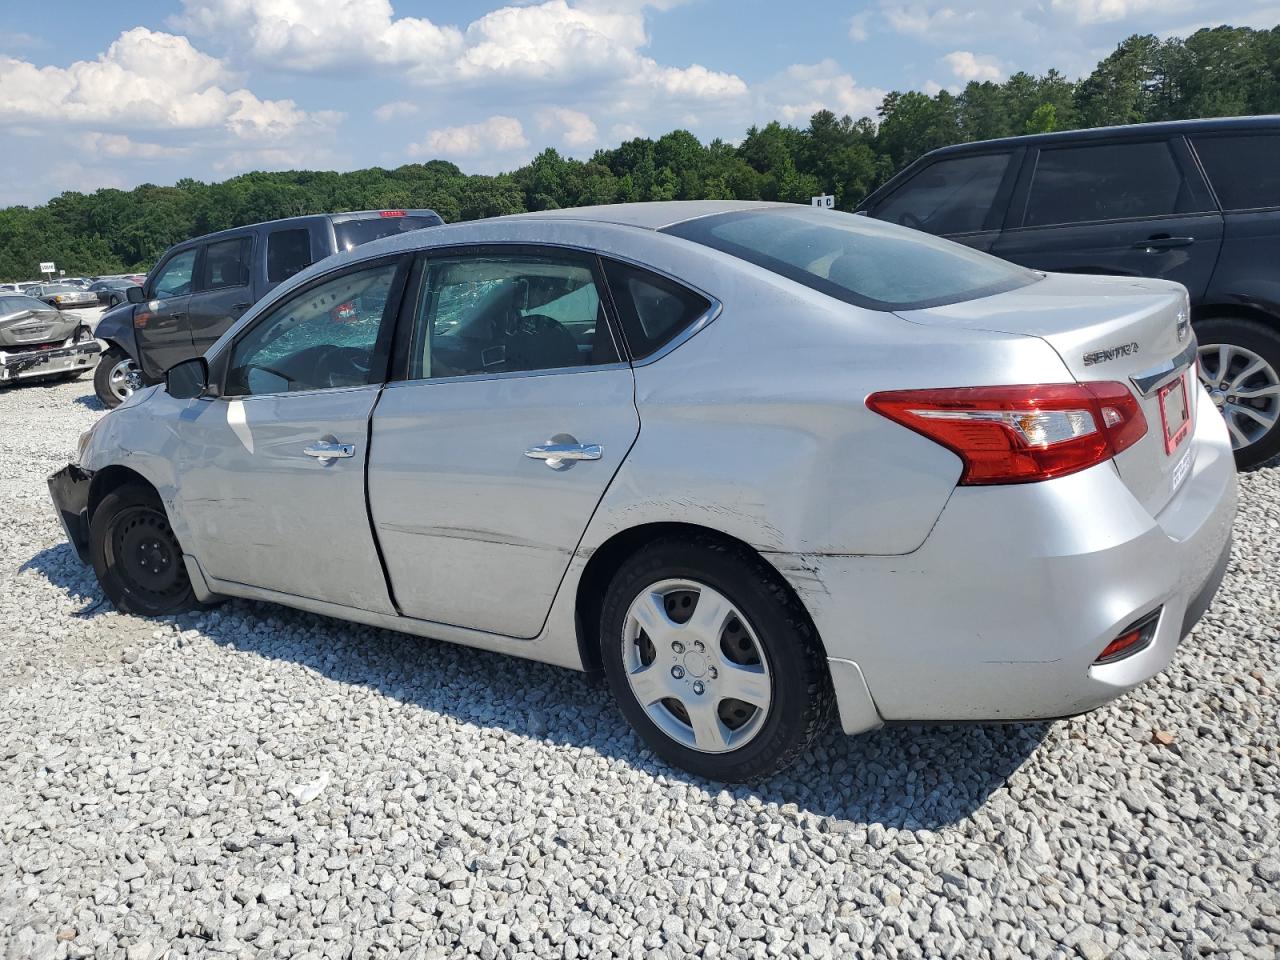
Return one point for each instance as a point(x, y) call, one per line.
point(654, 215)
point(1162, 128)
point(299, 221)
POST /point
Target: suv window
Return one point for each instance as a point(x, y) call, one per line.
point(349, 234)
point(226, 263)
point(861, 261)
point(950, 196)
point(174, 278)
point(324, 337)
point(1108, 181)
point(652, 309)
point(1244, 170)
point(499, 314)
point(288, 252)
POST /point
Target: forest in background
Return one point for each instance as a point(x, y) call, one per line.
point(1225, 71)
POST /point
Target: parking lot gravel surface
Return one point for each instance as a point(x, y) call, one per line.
point(257, 782)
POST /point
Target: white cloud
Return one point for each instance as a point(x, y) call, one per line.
point(968, 66)
point(802, 89)
point(117, 145)
point(146, 80)
point(576, 129)
point(498, 134)
point(394, 109)
point(1108, 11)
point(928, 21)
point(859, 26)
point(626, 131)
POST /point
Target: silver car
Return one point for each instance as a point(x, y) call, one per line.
point(65, 295)
point(38, 341)
point(757, 462)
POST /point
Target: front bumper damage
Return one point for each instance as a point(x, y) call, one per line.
point(19, 364)
point(69, 488)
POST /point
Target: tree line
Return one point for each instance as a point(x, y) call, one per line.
point(1224, 71)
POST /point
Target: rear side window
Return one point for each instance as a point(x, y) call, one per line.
point(653, 309)
point(1110, 181)
point(351, 233)
point(1244, 170)
point(950, 196)
point(861, 261)
point(288, 252)
point(226, 264)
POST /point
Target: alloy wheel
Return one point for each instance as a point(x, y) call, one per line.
point(696, 666)
point(125, 377)
point(1245, 389)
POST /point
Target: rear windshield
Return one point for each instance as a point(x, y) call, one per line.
point(352, 233)
point(865, 262)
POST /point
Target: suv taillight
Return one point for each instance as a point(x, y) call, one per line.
point(1021, 434)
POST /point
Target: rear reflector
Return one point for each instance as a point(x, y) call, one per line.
point(1134, 639)
point(1021, 434)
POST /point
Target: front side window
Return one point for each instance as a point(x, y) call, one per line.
point(322, 338)
point(288, 252)
point(174, 279)
point(950, 196)
point(226, 263)
point(1244, 170)
point(653, 310)
point(1109, 181)
point(501, 314)
point(856, 259)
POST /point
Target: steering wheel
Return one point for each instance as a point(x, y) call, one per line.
point(343, 366)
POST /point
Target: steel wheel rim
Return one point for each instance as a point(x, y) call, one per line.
point(122, 378)
point(147, 555)
point(1244, 387)
point(696, 666)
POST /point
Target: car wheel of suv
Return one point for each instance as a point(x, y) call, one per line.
point(116, 377)
point(137, 556)
point(1240, 367)
point(713, 660)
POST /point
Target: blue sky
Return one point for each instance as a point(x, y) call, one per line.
point(103, 94)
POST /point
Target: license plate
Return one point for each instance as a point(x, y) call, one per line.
point(1175, 413)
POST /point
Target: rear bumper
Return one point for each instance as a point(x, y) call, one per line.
point(1002, 611)
point(69, 489)
point(19, 364)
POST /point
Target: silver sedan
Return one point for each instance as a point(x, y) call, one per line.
point(758, 463)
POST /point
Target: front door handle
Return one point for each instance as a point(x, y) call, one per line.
point(562, 451)
point(1161, 243)
point(325, 450)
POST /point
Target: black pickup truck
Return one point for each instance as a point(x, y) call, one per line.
point(200, 287)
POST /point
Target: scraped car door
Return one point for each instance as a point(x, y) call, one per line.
point(490, 455)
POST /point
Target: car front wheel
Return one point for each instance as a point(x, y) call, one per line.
point(1240, 367)
point(713, 660)
point(136, 555)
point(116, 377)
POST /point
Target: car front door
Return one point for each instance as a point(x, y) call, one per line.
point(272, 472)
point(223, 293)
point(490, 454)
point(160, 324)
point(1137, 208)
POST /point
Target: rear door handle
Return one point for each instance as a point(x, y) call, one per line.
point(559, 455)
point(1159, 244)
point(330, 450)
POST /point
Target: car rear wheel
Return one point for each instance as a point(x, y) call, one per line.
point(116, 377)
point(1240, 367)
point(136, 555)
point(713, 660)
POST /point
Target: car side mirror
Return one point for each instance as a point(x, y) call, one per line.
point(135, 295)
point(188, 379)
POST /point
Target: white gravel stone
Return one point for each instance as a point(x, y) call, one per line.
point(153, 776)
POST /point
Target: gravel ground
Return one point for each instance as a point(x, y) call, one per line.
point(256, 782)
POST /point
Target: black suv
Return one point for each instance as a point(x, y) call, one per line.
point(1196, 201)
point(200, 287)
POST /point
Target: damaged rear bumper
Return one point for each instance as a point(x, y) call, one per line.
point(69, 488)
point(19, 364)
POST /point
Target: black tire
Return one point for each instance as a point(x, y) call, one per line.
point(110, 358)
point(802, 697)
point(136, 556)
point(1259, 338)
point(114, 301)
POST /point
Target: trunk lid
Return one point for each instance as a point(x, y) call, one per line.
point(35, 326)
point(1131, 330)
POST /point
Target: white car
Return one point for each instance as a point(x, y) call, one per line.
point(756, 461)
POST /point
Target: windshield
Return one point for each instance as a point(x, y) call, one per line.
point(865, 262)
point(352, 233)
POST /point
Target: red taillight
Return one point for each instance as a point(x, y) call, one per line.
point(1021, 434)
point(391, 213)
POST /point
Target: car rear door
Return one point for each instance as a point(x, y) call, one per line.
point(962, 197)
point(1137, 207)
point(160, 324)
point(222, 294)
point(512, 413)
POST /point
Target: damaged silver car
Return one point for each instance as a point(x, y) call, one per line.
point(38, 341)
